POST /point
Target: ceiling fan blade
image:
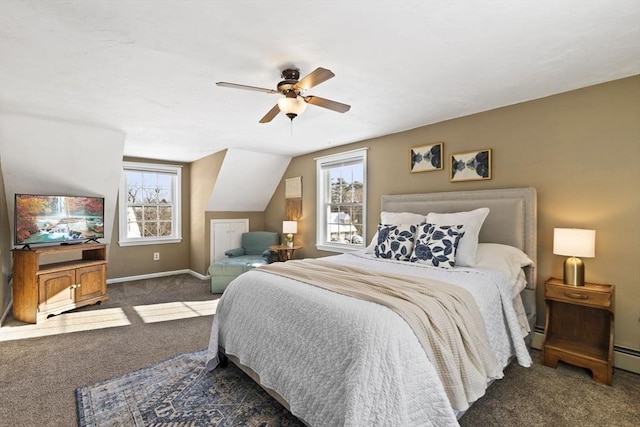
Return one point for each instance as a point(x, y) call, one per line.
point(245, 87)
point(327, 103)
point(317, 76)
point(271, 114)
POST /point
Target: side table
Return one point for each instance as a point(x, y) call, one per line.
point(579, 327)
point(285, 253)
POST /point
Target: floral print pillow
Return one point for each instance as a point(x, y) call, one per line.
point(395, 241)
point(437, 244)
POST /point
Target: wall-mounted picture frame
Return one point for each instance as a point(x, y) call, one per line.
point(425, 158)
point(471, 166)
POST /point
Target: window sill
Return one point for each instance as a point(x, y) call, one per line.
point(148, 242)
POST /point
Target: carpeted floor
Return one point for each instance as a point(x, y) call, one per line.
point(565, 396)
point(180, 391)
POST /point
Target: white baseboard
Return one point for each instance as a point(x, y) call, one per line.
point(623, 358)
point(199, 276)
point(156, 275)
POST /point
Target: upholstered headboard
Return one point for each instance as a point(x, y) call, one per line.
point(512, 220)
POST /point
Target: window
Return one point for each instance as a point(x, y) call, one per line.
point(150, 204)
point(342, 201)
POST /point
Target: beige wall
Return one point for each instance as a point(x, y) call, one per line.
point(5, 244)
point(204, 173)
point(580, 150)
point(128, 261)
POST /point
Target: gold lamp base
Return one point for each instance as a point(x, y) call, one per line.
point(573, 271)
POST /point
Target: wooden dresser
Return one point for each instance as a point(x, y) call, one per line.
point(579, 327)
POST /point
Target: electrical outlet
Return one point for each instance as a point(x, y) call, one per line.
point(156, 256)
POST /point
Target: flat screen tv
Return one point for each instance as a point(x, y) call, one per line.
point(57, 219)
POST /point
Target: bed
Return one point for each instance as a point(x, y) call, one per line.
point(334, 359)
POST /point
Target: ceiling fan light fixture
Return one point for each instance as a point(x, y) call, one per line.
point(291, 106)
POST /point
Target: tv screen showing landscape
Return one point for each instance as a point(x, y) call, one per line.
point(52, 219)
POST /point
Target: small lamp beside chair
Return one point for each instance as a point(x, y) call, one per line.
point(289, 228)
point(574, 242)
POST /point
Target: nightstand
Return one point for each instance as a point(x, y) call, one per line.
point(579, 327)
point(285, 253)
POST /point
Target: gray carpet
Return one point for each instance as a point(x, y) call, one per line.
point(180, 391)
point(565, 396)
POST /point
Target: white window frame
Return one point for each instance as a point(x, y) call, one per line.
point(176, 225)
point(324, 186)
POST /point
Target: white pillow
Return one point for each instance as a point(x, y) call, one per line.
point(472, 221)
point(504, 258)
point(394, 218)
point(372, 245)
point(401, 218)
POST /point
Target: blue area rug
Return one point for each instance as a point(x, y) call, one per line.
point(180, 392)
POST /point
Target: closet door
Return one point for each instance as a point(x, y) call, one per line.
point(226, 234)
point(235, 233)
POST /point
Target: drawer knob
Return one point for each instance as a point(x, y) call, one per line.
point(576, 295)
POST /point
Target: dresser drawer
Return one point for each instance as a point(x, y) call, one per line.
point(582, 295)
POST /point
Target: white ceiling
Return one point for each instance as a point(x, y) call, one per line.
point(148, 68)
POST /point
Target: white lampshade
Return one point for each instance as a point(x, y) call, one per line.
point(289, 227)
point(574, 242)
point(295, 105)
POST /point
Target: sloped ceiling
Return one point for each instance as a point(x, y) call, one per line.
point(148, 68)
point(41, 156)
point(246, 181)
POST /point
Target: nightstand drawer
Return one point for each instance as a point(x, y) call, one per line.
point(581, 295)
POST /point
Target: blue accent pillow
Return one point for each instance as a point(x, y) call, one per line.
point(437, 244)
point(395, 241)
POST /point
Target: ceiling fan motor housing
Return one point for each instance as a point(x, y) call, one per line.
point(291, 74)
point(286, 86)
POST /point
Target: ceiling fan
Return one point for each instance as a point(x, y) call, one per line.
point(294, 101)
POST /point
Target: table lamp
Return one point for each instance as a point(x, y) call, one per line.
point(289, 228)
point(574, 242)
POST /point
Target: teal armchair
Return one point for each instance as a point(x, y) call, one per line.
point(253, 253)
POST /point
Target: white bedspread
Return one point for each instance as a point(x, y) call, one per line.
point(342, 361)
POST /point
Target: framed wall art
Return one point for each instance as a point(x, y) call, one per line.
point(425, 158)
point(471, 166)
